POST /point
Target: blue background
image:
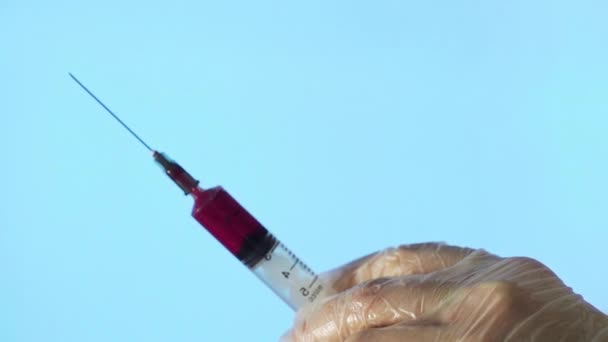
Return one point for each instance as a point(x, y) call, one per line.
point(344, 126)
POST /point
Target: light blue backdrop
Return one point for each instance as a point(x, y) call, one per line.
point(344, 126)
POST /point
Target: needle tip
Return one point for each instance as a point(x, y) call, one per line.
point(109, 111)
point(73, 77)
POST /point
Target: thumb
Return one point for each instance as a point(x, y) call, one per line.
point(422, 258)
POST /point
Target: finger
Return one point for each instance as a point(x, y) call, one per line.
point(404, 260)
point(401, 333)
point(485, 311)
point(377, 303)
point(488, 309)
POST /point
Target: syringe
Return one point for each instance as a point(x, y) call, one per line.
point(235, 228)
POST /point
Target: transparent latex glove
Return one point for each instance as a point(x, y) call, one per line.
point(434, 292)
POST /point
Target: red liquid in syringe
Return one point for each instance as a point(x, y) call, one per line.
point(247, 239)
point(232, 225)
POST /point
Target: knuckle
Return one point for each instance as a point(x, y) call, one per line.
point(504, 291)
point(526, 262)
point(368, 291)
point(398, 253)
point(501, 295)
point(391, 252)
point(530, 273)
point(410, 249)
point(487, 306)
point(393, 261)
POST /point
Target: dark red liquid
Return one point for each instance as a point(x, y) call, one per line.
point(232, 225)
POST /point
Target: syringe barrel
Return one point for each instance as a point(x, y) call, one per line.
point(235, 228)
point(232, 225)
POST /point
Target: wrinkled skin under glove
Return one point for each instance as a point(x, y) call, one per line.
point(435, 292)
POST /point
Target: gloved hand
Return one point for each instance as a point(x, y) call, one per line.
point(434, 292)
